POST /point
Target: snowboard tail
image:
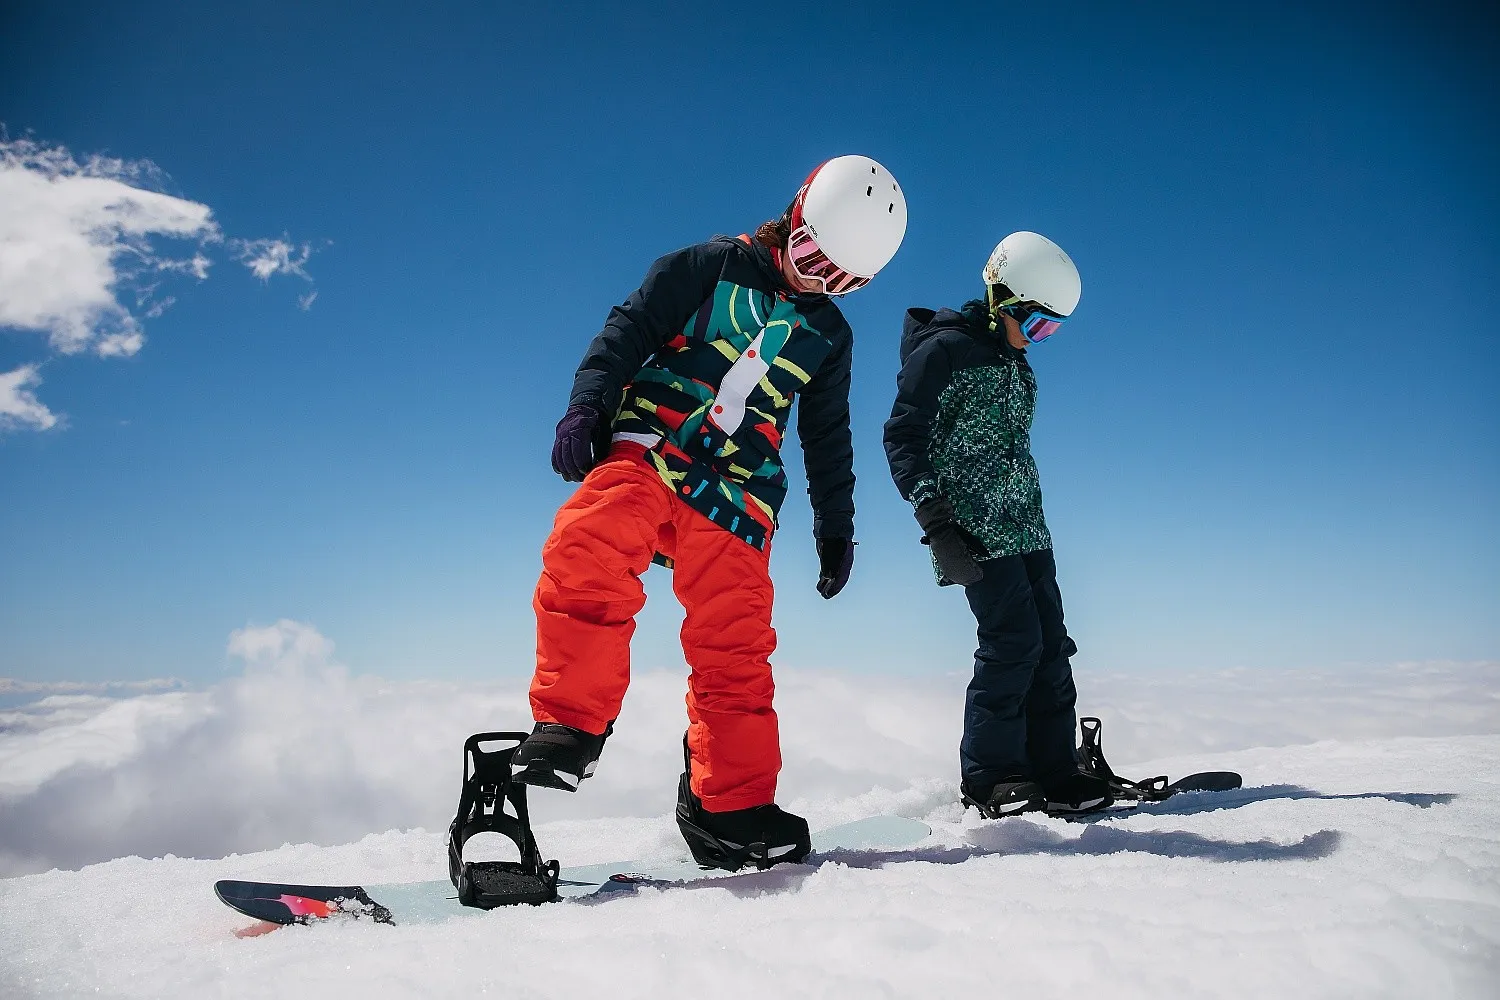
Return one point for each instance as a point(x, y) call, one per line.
point(279, 903)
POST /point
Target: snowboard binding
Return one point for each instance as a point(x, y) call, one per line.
point(1091, 761)
point(481, 809)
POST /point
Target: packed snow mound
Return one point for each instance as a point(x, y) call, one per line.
point(1344, 868)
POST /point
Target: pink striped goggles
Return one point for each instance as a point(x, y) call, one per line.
point(811, 264)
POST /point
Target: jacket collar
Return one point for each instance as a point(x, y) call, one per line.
point(769, 264)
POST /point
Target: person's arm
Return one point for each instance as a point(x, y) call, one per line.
point(674, 289)
point(827, 447)
point(925, 373)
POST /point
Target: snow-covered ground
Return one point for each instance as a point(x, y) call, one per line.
point(1348, 869)
point(1367, 865)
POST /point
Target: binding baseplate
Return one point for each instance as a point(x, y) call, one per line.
point(481, 809)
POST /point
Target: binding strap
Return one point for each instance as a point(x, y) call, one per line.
point(1091, 761)
point(486, 789)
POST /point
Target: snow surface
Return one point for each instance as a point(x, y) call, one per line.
point(1366, 869)
point(1366, 865)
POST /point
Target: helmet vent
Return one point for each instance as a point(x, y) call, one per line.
point(868, 190)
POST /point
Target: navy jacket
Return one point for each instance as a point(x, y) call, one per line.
point(961, 428)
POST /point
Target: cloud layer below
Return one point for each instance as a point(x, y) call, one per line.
point(298, 748)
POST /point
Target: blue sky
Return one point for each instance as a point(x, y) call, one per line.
point(1270, 438)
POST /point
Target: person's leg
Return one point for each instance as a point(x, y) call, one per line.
point(590, 591)
point(1050, 719)
point(724, 585)
point(993, 748)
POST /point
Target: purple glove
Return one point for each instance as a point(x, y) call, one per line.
point(835, 560)
point(573, 451)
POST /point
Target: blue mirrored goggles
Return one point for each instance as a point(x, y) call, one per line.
point(1036, 325)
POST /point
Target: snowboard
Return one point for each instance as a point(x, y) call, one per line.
point(430, 902)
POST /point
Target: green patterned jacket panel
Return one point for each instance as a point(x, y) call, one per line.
point(961, 428)
point(981, 453)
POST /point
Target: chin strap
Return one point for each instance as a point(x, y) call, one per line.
point(481, 809)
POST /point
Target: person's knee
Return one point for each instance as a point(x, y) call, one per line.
point(1011, 644)
point(1058, 646)
point(737, 692)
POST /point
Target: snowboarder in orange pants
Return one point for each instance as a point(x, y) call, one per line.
point(674, 429)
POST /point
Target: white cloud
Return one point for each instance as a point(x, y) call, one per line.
point(74, 236)
point(298, 748)
point(82, 256)
point(265, 258)
point(19, 407)
point(288, 644)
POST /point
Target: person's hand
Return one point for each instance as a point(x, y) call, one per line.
point(573, 451)
point(949, 548)
point(835, 560)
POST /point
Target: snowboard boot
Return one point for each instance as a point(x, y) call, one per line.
point(761, 835)
point(1078, 793)
point(557, 756)
point(1009, 797)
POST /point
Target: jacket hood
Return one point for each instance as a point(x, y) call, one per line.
point(922, 324)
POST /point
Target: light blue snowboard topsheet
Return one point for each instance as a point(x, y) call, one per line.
point(430, 902)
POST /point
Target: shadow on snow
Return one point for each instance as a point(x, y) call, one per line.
point(1189, 803)
point(1022, 836)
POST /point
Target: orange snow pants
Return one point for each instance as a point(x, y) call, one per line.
point(590, 592)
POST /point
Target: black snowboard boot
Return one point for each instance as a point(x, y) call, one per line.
point(1006, 798)
point(557, 756)
point(1078, 793)
point(761, 835)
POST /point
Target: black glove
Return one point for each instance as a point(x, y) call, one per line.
point(573, 450)
point(950, 549)
point(835, 560)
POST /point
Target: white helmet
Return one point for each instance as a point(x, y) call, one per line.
point(1035, 270)
point(855, 214)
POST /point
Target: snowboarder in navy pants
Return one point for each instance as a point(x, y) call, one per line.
point(958, 442)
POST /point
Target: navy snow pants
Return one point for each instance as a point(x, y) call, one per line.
point(1018, 714)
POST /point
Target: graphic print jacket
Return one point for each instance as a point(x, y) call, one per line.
point(961, 429)
point(701, 365)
